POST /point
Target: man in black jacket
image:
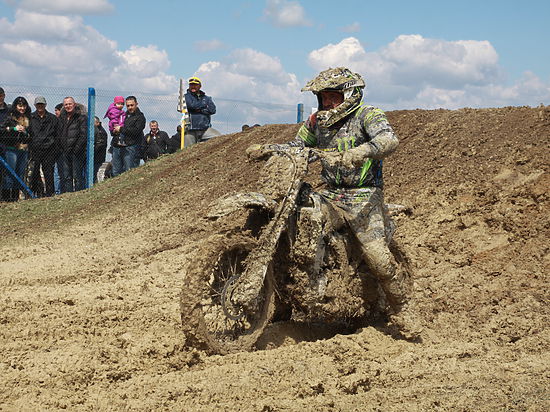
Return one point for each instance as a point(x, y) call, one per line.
point(4, 110)
point(73, 132)
point(127, 155)
point(100, 146)
point(44, 129)
point(156, 142)
point(4, 107)
point(174, 143)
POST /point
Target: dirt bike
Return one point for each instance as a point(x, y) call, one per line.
point(285, 253)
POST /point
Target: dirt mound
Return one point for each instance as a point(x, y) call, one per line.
point(89, 312)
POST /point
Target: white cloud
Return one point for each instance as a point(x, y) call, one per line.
point(141, 68)
point(352, 28)
point(284, 13)
point(245, 76)
point(144, 61)
point(53, 46)
point(348, 52)
point(31, 25)
point(413, 71)
point(257, 65)
point(67, 6)
point(416, 59)
point(209, 45)
point(250, 75)
point(63, 51)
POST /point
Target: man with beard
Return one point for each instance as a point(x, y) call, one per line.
point(126, 155)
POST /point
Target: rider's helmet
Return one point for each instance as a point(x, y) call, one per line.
point(339, 79)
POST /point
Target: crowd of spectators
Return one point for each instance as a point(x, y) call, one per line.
point(46, 152)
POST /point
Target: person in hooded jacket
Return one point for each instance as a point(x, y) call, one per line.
point(73, 134)
point(14, 135)
point(200, 108)
point(44, 129)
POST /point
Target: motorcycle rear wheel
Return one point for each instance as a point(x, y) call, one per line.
point(209, 319)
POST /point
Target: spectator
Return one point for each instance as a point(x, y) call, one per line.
point(73, 132)
point(156, 142)
point(108, 171)
point(200, 108)
point(4, 107)
point(14, 135)
point(100, 146)
point(174, 143)
point(44, 129)
point(127, 155)
point(116, 115)
point(58, 169)
point(58, 108)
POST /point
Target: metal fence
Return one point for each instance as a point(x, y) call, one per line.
point(231, 115)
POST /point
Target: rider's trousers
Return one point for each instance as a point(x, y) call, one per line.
point(368, 219)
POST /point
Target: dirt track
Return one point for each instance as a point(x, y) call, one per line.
point(90, 281)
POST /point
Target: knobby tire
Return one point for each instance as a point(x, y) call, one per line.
point(203, 320)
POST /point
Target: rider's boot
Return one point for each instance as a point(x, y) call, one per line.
point(396, 284)
point(394, 280)
point(402, 319)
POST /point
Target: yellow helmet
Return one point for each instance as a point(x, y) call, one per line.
point(194, 80)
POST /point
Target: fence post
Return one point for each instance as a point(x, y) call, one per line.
point(300, 116)
point(14, 175)
point(91, 139)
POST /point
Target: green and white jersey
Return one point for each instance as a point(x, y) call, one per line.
point(367, 125)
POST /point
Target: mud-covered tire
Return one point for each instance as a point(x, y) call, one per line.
point(204, 322)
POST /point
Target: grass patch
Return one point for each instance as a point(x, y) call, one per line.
point(55, 212)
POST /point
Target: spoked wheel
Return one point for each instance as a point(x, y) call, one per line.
point(210, 318)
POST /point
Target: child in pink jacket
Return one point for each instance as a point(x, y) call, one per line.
point(116, 115)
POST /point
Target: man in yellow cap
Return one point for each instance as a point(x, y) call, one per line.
point(200, 108)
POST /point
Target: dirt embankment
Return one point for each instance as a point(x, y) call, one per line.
point(89, 311)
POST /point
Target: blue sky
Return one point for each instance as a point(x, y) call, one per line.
point(424, 54)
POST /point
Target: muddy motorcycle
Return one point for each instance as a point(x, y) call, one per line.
point(282, 254)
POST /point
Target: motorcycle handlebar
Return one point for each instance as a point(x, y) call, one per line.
point(287, 150)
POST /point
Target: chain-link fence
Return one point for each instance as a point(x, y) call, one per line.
point(40, 165)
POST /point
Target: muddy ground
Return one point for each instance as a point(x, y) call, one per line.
point(89, 313)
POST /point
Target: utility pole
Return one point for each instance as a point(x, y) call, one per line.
point(182, 108)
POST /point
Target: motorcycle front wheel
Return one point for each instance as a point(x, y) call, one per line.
point(209, 318)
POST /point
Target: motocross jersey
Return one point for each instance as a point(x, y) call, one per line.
point(367, 125)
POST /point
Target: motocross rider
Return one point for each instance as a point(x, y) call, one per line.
point(361, 136)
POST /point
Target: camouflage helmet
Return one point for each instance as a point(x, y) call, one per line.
point(339, 78)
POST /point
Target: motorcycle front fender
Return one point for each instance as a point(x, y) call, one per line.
point(231, 203)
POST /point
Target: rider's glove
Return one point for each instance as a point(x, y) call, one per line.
point(255, 151)
point(258, 151)
point(333, 159)
point(356, 157)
